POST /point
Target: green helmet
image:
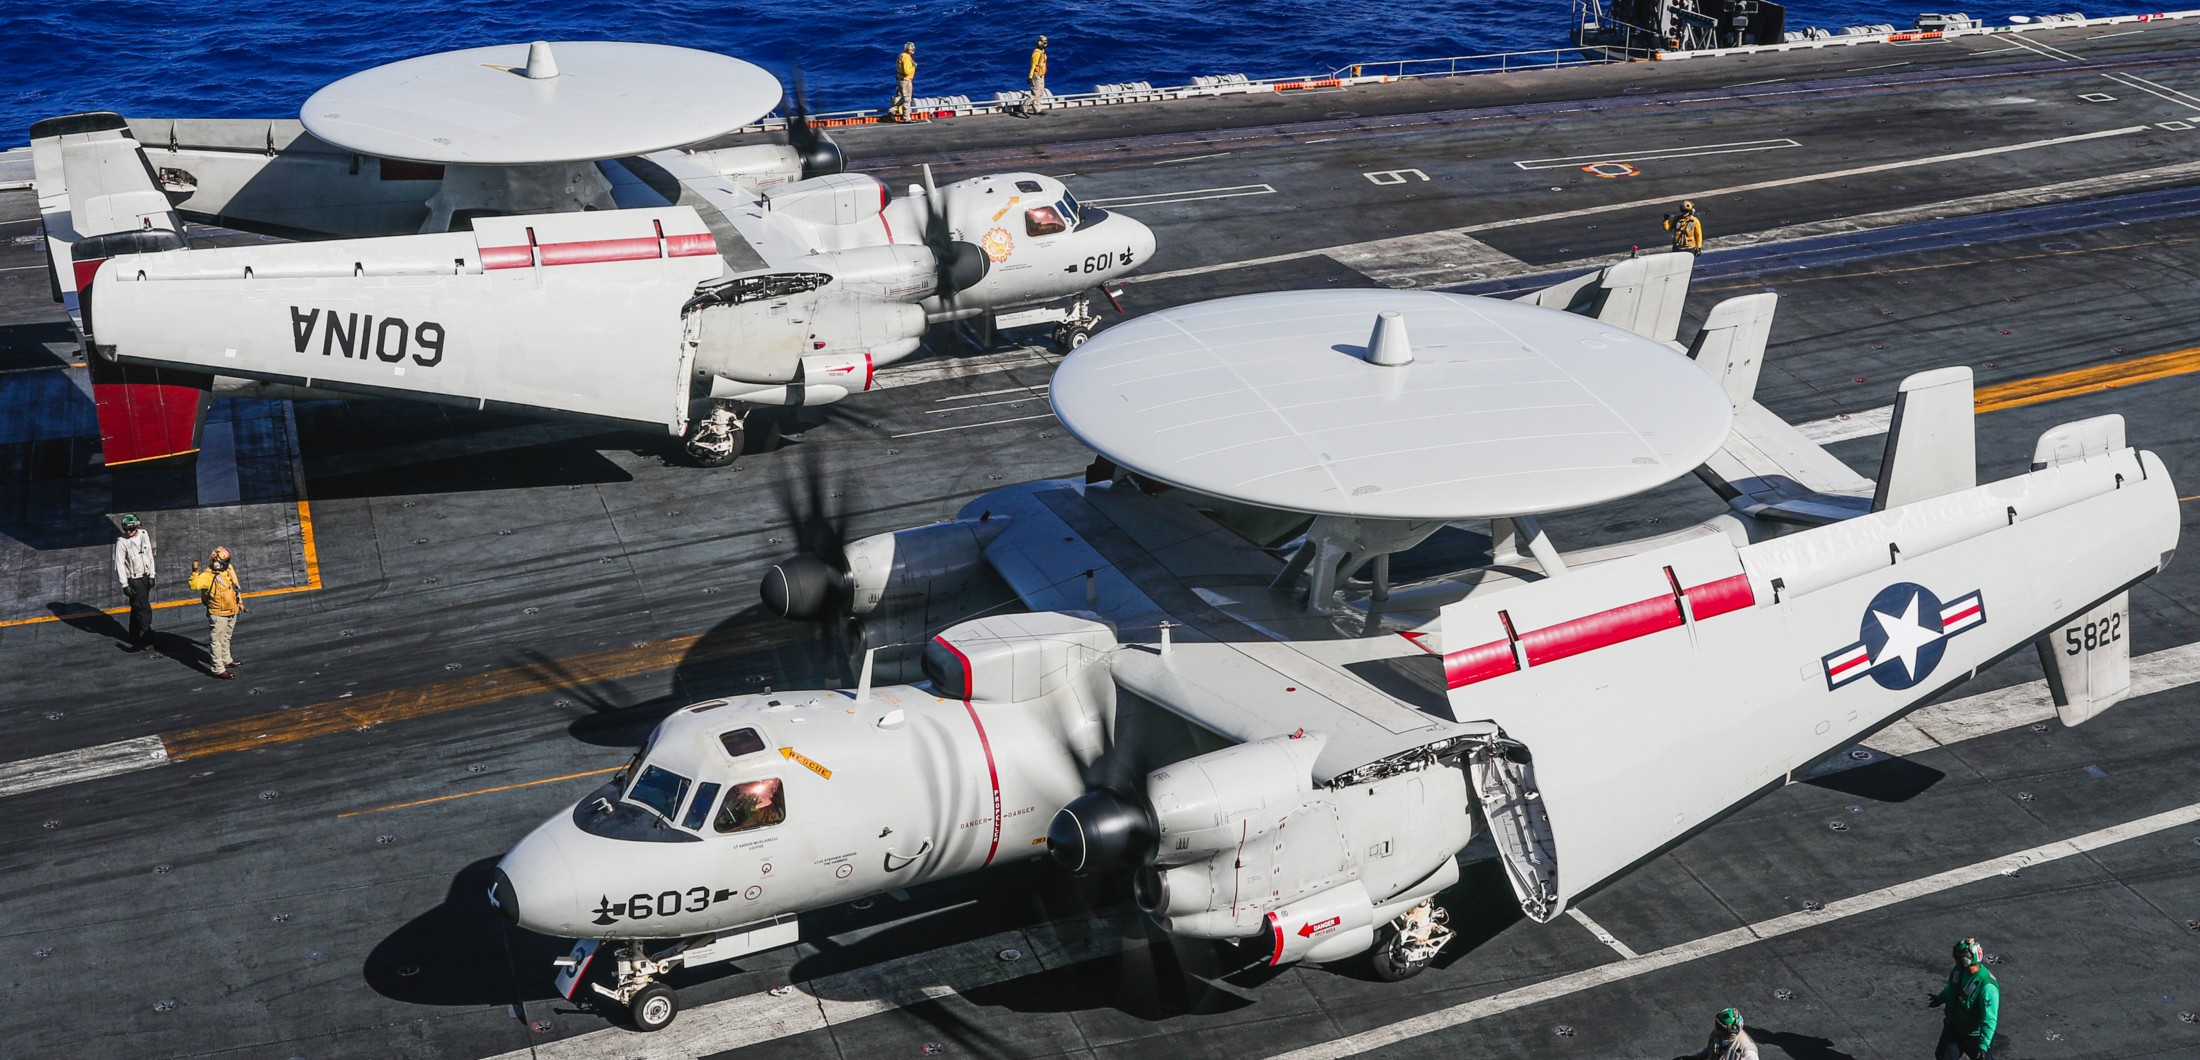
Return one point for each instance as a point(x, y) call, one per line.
point(1728, 1021)
point(1968, 952)
point(129, 522)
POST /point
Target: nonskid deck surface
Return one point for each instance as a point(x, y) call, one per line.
point(505, 606)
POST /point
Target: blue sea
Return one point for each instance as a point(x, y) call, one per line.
point(174, 59)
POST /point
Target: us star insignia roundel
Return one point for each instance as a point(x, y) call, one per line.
point(1904, 633)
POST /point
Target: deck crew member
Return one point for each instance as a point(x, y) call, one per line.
point(1036, 101)
point(219, 590)
point(1729, 1041)
point(905, 81)
point(1971, 1005)
point(134, 569)
point(1687, 229)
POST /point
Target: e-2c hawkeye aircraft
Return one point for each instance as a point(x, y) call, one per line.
point(521, 227)
point(1201, 688)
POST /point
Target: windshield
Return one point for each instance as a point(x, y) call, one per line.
point(659, 789)
point(1069, 207)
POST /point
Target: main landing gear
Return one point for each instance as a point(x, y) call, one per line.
point(1406, 945)
point(715, 441)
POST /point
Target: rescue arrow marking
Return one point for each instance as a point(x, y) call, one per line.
point(1314, 927)
point(789, 752)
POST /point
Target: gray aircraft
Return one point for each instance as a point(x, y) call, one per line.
point(522, 227)
point(1207, 678)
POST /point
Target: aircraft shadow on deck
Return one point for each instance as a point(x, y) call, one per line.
point(462, 953)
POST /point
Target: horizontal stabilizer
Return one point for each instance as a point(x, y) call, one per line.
point(1643, 295)
point(1932, 445)
point(574, 314)
point(2088, 660)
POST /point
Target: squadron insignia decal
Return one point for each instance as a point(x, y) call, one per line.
point(1904, 633)
point(998, 244)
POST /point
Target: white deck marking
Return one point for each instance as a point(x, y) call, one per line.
point(1655, 154)
point(1186, 158)
point(1342, 252)
point(2048, 50)
point(1033, 396)
point(2157, 90)
point(90, 763)
point(1602, 935)
point(818, 1004)
point(969, 426)
point(1712, 945)
point(935, 369)
point(1163, 198)
point(1039, 389)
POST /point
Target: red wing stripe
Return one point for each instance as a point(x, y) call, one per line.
point(1960, 615)
point(993, 772)
point(1480, 663)
point(1712, 599)
point(1852, 664)
point(1603, 629)
point(595, 250)
point(507, 257)
point(690, 246)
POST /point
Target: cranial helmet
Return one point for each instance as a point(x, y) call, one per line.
point(1728, 1020)
point(1968, 952)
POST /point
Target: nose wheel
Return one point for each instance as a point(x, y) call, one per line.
point(653, 1008)
point(1068, 336)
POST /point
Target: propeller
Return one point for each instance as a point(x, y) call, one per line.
point(820, 155)
point(961, 263)
point(813, 584)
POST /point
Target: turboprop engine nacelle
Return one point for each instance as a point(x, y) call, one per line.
point(1247, 844)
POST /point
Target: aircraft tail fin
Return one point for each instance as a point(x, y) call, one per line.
point(1643, 295)
point(99, 197)
point(1767, 468)
point(2088, 658)
point(1932, 446)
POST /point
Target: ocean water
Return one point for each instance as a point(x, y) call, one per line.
point(174, 59)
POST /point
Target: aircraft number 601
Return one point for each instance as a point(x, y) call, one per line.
point(2095, 634)
point(1104, 262)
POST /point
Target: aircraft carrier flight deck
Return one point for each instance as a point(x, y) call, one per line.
point(461, 622)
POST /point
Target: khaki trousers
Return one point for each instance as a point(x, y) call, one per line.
point(218, 639)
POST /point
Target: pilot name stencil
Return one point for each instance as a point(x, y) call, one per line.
point(388, 339)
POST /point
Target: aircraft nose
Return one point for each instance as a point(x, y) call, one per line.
point(1142, 242)
point(533, 885)
point(504, 897)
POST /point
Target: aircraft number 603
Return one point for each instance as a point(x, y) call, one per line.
point(2093, 635)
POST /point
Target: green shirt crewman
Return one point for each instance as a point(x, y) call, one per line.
point(1971, 1003)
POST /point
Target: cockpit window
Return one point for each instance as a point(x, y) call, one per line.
point(1072, 210)
point(1044, 221)
point(699, 810)
point(1028, 187)
point(756, 804)
point(659, 789)
point(741, 742)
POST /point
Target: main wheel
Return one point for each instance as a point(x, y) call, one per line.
point(654, 1008)
point(1387, 957)
point(1068, 337)
point(713, 456)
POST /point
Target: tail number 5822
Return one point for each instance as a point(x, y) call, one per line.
point(2093, 635)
